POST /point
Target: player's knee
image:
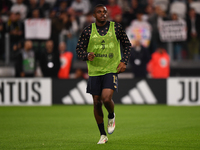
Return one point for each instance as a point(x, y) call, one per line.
point(97, 104)
point(107, 99)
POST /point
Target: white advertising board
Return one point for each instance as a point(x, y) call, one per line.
point(26, 91)
point(183, 91)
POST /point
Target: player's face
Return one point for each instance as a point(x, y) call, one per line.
point(101, 14)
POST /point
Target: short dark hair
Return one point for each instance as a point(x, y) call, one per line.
point(98, 5)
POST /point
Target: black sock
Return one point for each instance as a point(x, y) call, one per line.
point(101, 129)
point(111, 115)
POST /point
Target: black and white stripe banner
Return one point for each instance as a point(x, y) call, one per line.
point(130, 92)
point(46, 91)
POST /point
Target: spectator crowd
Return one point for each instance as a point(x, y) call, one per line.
point(56, 52)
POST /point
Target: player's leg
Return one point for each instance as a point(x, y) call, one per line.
point(98, 113)
point(106, 97)
point(94, 88)
point(110, 84)
point(109, 105)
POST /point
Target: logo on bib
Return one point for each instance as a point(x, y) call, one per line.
point(103, 44)
point(111, 55)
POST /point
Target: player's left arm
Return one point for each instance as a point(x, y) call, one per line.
point(122, 36)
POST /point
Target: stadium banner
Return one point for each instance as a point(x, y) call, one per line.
point(25, 91)
point(183, 91)
point(37, 29)
point(172, 31)
point(130, 91)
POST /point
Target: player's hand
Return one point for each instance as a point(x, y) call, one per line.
point(121, 67)
point(91, 56)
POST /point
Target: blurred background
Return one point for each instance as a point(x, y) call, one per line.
point(38, 37)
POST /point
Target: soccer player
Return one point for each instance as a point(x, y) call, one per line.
point(99, 45)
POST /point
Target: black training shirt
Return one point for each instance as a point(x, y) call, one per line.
point(83, 41)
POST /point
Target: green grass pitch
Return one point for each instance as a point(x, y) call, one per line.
point(143, 127)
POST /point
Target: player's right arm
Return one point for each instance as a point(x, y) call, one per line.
point(81, 48)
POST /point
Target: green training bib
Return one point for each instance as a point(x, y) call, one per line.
point(107, 52)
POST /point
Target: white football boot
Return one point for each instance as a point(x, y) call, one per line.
point(103, 139)
point(111, 125)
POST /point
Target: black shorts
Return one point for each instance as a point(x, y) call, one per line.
point(97, 83)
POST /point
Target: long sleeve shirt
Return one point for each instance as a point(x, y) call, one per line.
point(83, 41)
